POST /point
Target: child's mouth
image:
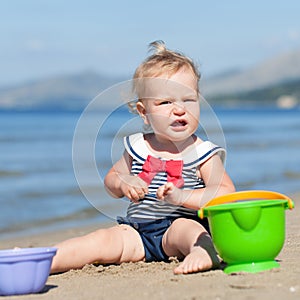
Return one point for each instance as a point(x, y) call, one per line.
point(179, 123)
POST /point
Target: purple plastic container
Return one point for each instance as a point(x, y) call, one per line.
point(24, 270)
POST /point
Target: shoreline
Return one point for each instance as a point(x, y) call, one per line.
point(156, 280)
point(32, 237)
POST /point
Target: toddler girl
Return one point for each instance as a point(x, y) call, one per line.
point(167, 175)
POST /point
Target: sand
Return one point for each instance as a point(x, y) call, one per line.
point(156, 280)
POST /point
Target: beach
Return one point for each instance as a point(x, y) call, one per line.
point(157, 281)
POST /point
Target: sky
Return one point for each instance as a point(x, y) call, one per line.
point(45, 38)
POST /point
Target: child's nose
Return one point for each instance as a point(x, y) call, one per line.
point(178, 109)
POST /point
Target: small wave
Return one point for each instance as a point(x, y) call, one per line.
point(245, 185)
point(257, 145)
point(46, 193)
point(74, 219)
point(9, 173)
point(291, 174)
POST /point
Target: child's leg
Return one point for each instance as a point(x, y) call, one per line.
point(188, 239)
point(117, 244)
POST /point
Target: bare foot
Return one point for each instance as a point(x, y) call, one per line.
point(196, 261)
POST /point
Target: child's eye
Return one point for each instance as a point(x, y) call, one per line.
point(190, 100)
point(165, 102)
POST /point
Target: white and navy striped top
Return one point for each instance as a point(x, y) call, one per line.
point(150, 208)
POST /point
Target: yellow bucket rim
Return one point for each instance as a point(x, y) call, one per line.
point(245, 195)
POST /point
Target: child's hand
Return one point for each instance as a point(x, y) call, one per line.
point(133, 187)
point(169, 193)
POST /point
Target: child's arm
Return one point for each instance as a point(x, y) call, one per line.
point(217, 183)
point(120, 183)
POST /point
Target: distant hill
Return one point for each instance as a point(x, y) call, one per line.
point(68, 92)
point(283, 95)
point(278, 69)
point(275, 81)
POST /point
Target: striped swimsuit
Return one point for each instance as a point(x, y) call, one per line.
point(150, 208)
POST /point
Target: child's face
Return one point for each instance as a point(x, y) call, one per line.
point(171, 106)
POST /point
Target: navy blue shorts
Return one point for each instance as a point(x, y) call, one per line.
point(151, 234)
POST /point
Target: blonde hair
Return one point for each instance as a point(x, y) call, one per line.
point(162, 61)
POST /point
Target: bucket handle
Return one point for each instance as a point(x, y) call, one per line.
point(246, 195)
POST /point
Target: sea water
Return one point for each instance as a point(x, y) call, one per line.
point(40, 191)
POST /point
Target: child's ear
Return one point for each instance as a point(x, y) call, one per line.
point(140, 107)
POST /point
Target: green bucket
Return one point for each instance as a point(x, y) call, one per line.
point(248, 235)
